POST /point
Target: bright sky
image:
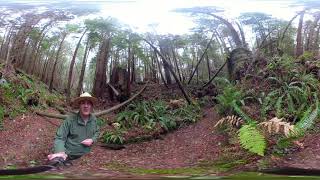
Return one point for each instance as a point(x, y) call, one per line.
point(140, 13)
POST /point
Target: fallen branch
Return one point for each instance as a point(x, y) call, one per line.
point(100, 113)
point(50, 115)
point(113, 89)
point(121, 104)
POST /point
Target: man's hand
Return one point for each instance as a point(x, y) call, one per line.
point(87, 142)
point(59, 154)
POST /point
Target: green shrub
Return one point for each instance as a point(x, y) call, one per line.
point(115, 137)
point(229, 96)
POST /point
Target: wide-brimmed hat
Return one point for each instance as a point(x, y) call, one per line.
point(84, 96)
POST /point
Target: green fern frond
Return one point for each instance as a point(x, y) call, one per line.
point(308, 119)
point(251, 139)
point(279, 108)
point(275, 79)
point(242, 114)
point(290, 104)
point(267, 103)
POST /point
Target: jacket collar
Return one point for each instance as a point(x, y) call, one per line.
point(81, 121)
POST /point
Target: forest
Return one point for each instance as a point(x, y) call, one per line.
point(233, 95)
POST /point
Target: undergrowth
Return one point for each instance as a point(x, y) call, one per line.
point(148, 116)
point(24, 94)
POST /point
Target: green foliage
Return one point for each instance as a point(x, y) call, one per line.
point(101, 122)
point(308, 119)
point(291, 90)
point(188, 113)
point(283, 146)
point(115, 137)
point(251, 139)
point(230, 96)
point(148, 114)
point(16, 95)
point(307, 55)
point(242, 114)
point(25, 94)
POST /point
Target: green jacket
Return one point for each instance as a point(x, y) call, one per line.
point(72, 132)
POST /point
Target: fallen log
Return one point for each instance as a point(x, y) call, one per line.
point(100, 113)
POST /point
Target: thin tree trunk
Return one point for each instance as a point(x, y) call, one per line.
point(83, 68)
point(201, 58)
point(176, 64)
point(243, 38)
point(299, 47)
point(160, 71)
point(172, 72)
point(316, 41)
point(214, 76)
point(208, 66)
point(233, 32)
point(289, 23)
point(73, 60)
point(56, 62)
point(101, 65)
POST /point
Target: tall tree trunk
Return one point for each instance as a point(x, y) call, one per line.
point(101, 65)
point(315, 33)
point(73, 60)
point(176, 64)
point(56, 62)
point(299, 46)
point(234, 33)
point(4, 41)
point(44, 73)
point(243, 38)
point(24, 58)
point(215, 75)
point(224, 46)
point(133, 72)
point(316, 41)
point(167, 73)
point(8, 45)
point(201, 58)
point(208, 66)
point(83, 68)
point(160, 71)
point(172, 72)
point(129, 80)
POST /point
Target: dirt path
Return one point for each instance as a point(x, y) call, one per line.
point(30, 139)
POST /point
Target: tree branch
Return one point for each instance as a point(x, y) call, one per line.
point(100, 113)
point(121, 104)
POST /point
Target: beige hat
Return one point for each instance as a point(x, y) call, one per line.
point(84, 96)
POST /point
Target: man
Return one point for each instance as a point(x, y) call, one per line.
point(78, 132)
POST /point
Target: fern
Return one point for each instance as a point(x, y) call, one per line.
point(251, 139)
point(242, 114)
point(276, 125)
point(229, 95)
point(267, 103)
point(279, 109)
point(234, 121)
point(291, 108)
point(308, 119)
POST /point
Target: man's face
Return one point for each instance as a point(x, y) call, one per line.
point(85, 107)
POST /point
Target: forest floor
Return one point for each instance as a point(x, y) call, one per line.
point(28, 139)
